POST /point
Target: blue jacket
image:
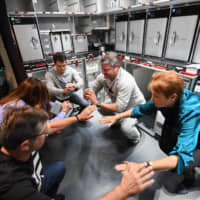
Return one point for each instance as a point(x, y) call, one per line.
point(187, 125)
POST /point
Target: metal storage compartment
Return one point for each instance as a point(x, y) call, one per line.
point(46, 5)
point(73, 5)
point(80, 43)
point(56, 42)
point(19, 5)
point(90, 5)
point(196, 57)
point(28, 41)
point(121, 36)
point(155, 36)
point(135, 39)
point(105, 5)
point(197, 87)
point(46, 43)
point(66, 42)
point(180, 37)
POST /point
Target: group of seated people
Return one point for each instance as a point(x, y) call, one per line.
point(26, 120)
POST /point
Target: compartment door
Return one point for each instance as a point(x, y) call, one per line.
point(196, 57)
point(56, 42)
point(80, 43)
point(135, 39)
point(28, 42)
point(66, 42)
point(180, 37)
point(46, 43)
point(155, 36)
point(121, 36)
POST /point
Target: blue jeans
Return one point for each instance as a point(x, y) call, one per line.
point(53, 176)
point(77, 99)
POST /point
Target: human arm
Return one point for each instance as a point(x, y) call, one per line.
point(112, 119)
point(66, 106)
point(90, 95)
point(53, 84)
point(134, 180)
point(167, 163)
point(188, 129)
point(136, 112)
point(63, 123)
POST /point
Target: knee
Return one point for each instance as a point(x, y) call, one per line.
point(61, 168)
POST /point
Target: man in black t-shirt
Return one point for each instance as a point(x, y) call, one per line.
point(23, 133)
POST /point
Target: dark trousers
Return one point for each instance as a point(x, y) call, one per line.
point(174, 180)
point(77, 99)
point(167, 142)
point(53, 176)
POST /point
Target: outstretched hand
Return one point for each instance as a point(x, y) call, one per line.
point(86, 113)
point(108, 119)
point(136, 177)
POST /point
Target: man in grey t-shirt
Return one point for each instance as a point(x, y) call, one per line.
point(63, 81)
point(122, 89)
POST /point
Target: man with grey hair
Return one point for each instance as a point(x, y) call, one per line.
point(121, 88)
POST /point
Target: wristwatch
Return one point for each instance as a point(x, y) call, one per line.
point(98, 104)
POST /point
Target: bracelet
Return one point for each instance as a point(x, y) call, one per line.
point(77, 118)
point(149, 163)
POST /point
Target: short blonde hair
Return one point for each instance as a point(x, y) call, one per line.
point(167, 83)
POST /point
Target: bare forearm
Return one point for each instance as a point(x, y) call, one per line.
point(61, 124)
point(109, 106)
point(115, 194)
point(125, 114)
point(169, 162)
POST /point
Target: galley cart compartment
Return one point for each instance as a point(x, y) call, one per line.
point(26, 33)
point(136, 31)
point(121, 33)
point(155, 33)
point(80, 43)
point(66, 42)
point(56, 42)
point(181, 33)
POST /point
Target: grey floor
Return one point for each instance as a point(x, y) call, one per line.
point(91, 151)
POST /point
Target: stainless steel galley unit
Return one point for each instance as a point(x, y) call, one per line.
point(156, 32)
point(136, 33)
point(181, 33)
point(121, 23)
point(26, 33)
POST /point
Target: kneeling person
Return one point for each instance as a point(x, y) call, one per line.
point(122, 89)
point(63, 81)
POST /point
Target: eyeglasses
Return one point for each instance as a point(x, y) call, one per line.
point(43, 133)
point(34, 136)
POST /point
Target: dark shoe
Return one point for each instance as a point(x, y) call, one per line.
point(59, 197)
point(182, 189)
point(173, 182)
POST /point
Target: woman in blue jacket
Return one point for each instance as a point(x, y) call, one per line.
point(179, 138)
